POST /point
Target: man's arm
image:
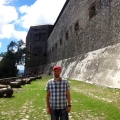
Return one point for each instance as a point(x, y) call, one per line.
point(47, 102)
point(68, 100)
point(68, 97)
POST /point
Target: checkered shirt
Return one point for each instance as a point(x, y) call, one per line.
point(57, 93)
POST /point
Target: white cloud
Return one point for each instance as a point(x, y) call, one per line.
point(2, 2)
point(1, 58)
point(0, 44)
point(8, 14)
point(20, 35)
point(8, 18)
point(20, 67)
point(41, 12)
point(9, 31)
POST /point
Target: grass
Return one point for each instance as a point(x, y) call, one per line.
point(89, 102)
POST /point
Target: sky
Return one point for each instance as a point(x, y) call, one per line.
point(16, 17)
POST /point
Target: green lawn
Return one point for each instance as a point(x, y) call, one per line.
point(89, 102)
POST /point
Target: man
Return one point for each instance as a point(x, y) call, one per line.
point(58, 101)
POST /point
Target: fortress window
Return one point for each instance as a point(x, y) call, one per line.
point(44, 54)
point(36, 40)
point(43, 34)
point(36, 55)
point(66, 35)
point(76, 27)
point(60, 41)
point(40, 34)
point(92, 10)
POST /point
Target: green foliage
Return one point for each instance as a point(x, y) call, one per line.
point(14, 56)
point(2, 54)
point(7, 66)
point(19, 51)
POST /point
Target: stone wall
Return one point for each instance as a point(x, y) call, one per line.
point(100, 67)
point(36, 44)
point(94, 33)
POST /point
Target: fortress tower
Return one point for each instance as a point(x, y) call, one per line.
point(36, 44)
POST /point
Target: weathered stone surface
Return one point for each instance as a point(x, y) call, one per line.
point(98, 32)
point(36, 44)
point(101, 67)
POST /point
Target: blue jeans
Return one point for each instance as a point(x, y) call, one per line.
point(60, 114)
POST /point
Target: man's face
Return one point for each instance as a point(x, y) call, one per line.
point(56, 73)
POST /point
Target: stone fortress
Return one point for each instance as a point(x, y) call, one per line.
point(84, 41)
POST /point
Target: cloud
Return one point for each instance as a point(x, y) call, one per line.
point(8, 14)
point(1, 58)
point(3, 2)
point(0, 44)
point(20, 67)
point(8, 18)
point(40, 12)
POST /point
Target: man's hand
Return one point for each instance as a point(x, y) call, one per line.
point(68, 109)
point(48, 110)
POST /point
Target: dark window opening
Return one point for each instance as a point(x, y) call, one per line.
point(60, 42)
point(92, 11)
point(66, 35)
point(44, 54)
point(76, 27)
point(40, 34)
point(36, 55)
point(43, 39)
point(43, 34)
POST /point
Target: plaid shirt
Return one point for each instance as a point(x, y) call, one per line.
point(57, 93)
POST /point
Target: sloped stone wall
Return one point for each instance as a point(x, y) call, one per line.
point(101, 67)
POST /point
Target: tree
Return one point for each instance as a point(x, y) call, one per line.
point(7, 66)
point(14, 56)
point(19, 50)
